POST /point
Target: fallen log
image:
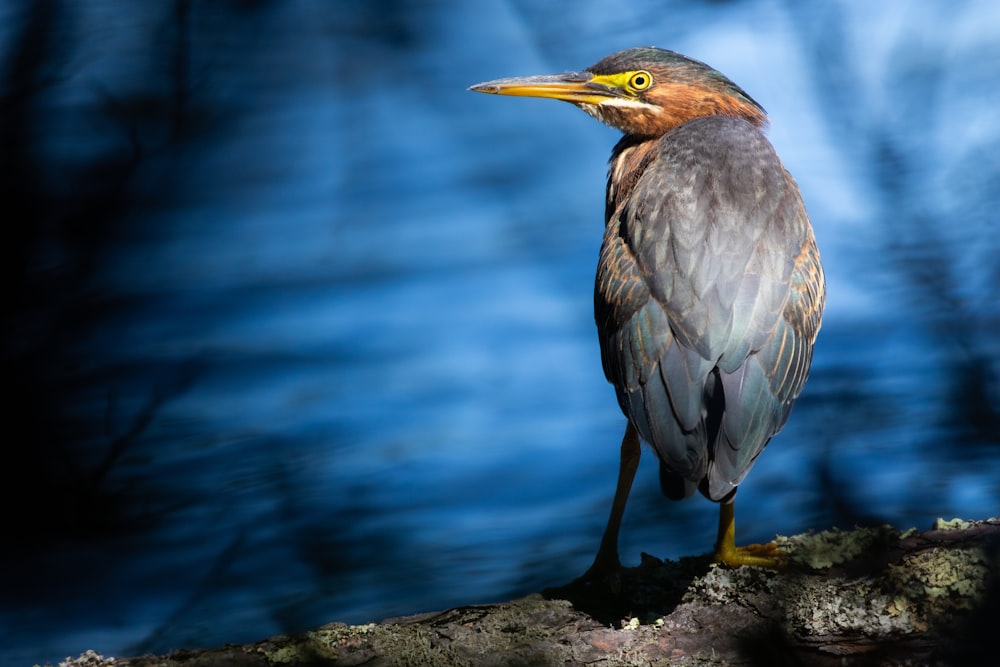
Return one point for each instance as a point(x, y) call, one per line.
point(869, 596)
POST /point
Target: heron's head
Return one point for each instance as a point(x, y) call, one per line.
point(643, 92)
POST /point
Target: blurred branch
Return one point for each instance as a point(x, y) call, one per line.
point(182, 57)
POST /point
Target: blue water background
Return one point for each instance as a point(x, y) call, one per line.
point(334, 356)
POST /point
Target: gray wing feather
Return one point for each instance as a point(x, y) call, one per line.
point(709, 267)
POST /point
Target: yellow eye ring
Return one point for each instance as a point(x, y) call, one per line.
point(640, 80)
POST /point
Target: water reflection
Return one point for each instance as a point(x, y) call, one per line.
point(302, 331)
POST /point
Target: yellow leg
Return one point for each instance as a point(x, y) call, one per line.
point(726, 551)
point(606, 564)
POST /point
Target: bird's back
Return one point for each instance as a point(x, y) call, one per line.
point(708, 297)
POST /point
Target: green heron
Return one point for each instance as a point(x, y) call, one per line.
point(709, 289)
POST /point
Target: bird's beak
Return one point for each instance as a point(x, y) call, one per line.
point(575, 87)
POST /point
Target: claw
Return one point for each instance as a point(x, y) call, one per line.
point(757, 555)
point(605, 572)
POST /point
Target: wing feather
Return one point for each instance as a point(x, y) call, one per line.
point(709, 275)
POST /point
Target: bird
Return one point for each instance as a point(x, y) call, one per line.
point(709, 291)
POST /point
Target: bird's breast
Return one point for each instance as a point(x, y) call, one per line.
point(628, 162)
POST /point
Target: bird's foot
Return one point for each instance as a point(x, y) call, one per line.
point(757, 555)
point(604, 573)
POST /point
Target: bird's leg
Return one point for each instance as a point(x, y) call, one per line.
point(726, 551)
point(606, 564)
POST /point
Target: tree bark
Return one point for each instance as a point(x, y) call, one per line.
point(871, 596)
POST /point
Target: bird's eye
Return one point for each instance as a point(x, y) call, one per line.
point(640, 81)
